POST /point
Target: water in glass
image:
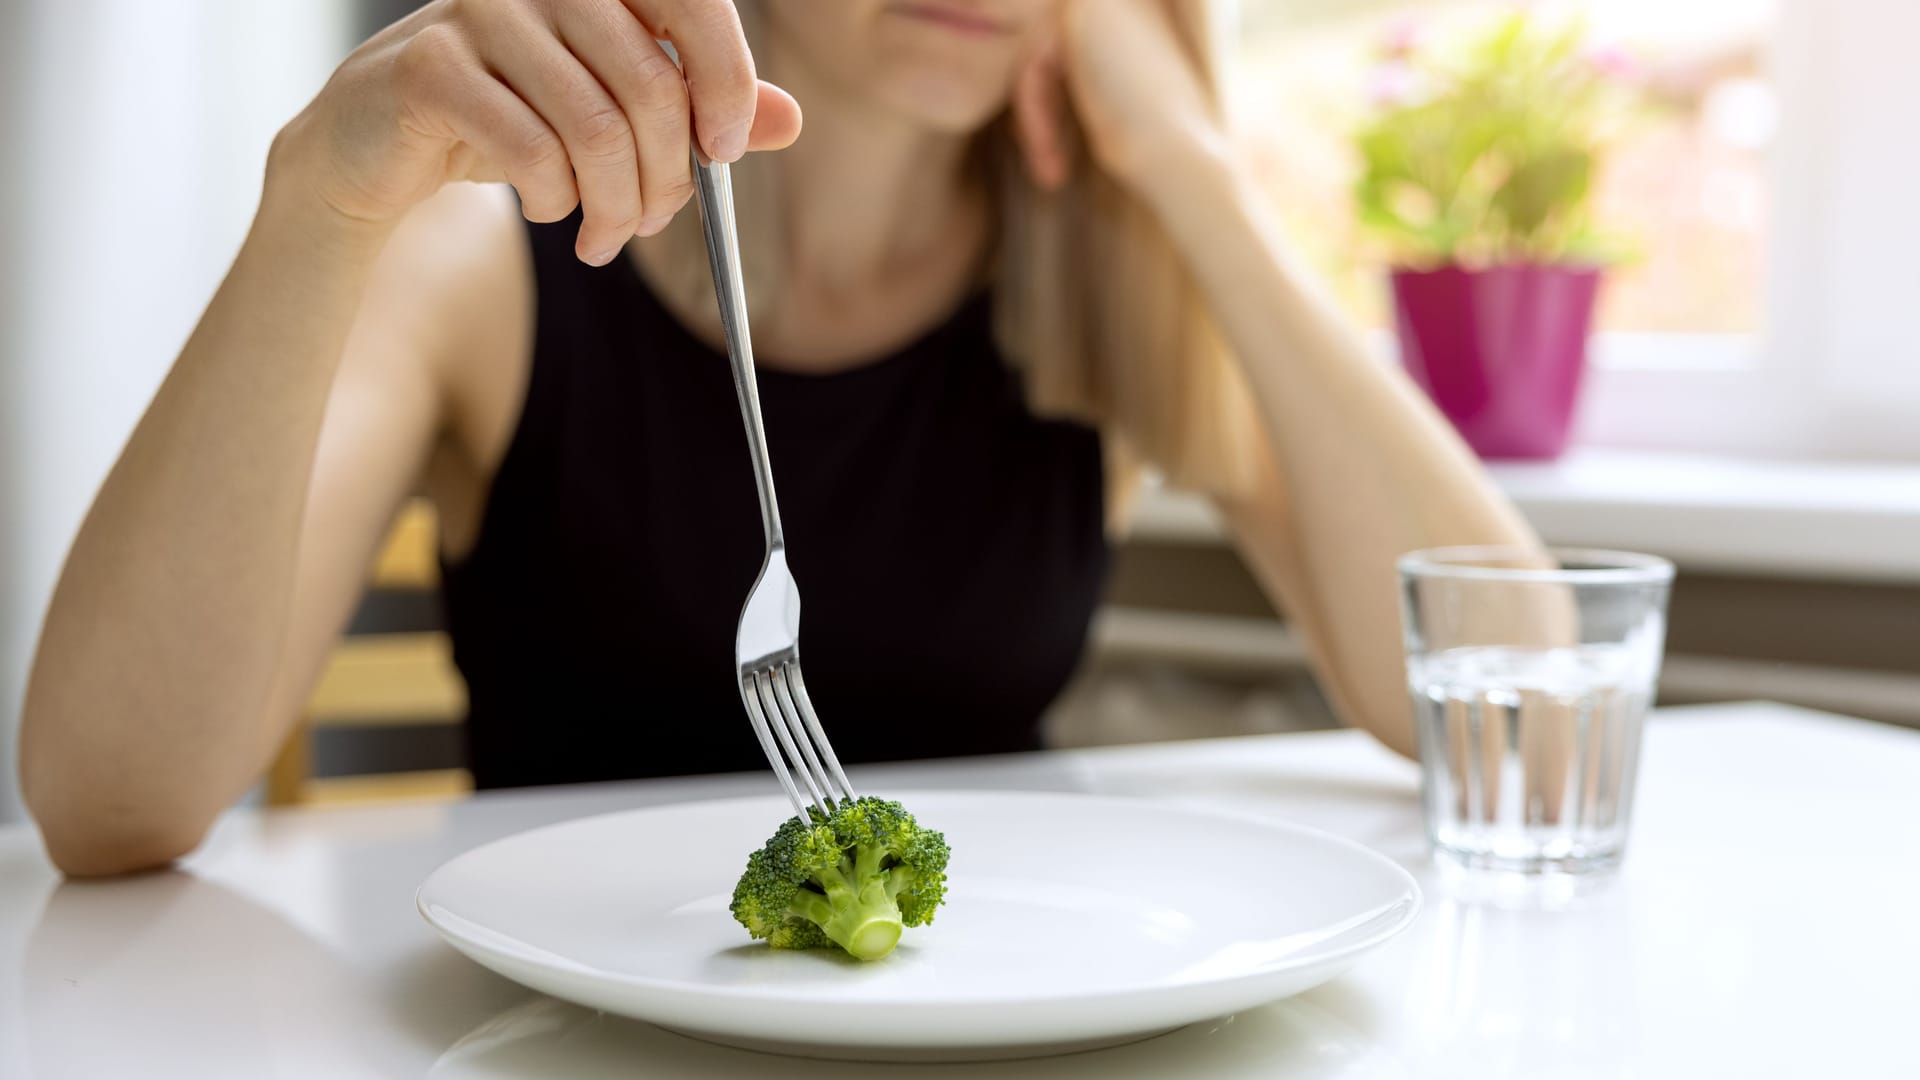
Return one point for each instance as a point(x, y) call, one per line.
point(1530, 752)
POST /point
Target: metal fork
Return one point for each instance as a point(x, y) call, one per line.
point(766, 648)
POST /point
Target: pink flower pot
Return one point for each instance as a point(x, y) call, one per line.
point(1501, 351)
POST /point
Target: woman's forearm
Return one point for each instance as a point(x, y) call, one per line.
point(144, 711)
point(1370, 469)
point(1390, 458)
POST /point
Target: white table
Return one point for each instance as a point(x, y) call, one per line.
point(1766, 924)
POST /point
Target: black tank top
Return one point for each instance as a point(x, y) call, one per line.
point(949, 546)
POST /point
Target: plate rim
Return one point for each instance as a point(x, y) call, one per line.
point(1409, 905)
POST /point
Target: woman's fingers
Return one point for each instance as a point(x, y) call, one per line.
point(776, 119)
point(577, 104)
point(719, 68)
point(590, 123)
point(623, 55)
point(444, 88)
point(1039, 119)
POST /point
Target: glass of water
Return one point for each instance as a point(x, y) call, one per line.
point(1531, 673)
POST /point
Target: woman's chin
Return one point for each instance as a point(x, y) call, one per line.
point(944, 103)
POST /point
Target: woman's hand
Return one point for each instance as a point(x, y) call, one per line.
point(573, 102)
point(1131, 83)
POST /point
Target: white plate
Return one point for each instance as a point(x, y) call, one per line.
point(1071, 921)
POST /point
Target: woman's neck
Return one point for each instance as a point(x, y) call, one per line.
point(870, 194)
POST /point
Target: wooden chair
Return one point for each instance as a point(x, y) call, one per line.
point(382, 679)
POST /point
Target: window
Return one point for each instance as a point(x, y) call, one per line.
point(1761, 185)
point(1690, 169)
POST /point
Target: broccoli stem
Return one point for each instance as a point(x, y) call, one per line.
point(872, 939)
point(869, 927)
point(811, 906)
point(867, 862)
point(898, 879)
point(865, 922)
point(838, 888)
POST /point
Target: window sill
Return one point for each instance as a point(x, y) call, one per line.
point(1821, 520)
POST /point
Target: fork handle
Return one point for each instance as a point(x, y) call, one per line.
point(713, 185)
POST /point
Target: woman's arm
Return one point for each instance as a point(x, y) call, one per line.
point(146, 711)
point(230, 539)
point(1359, 469)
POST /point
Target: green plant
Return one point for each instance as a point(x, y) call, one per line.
point(852, 879)
point(1485, 151)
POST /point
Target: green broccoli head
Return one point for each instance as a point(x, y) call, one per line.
point(853, 879)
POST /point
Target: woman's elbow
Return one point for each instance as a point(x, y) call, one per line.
point(91, 830)
point(95, 844)
point(1383, 712)
point(1395, 732)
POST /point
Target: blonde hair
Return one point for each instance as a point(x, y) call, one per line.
point(1092, 304)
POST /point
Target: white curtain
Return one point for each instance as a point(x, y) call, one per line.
point(132, 139)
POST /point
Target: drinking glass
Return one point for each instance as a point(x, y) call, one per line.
point(1531, 673)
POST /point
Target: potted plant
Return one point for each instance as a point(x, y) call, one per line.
point(1477, 172)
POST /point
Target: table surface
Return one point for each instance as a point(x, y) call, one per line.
point(1766, 923)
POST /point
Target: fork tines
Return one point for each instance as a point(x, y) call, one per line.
point(777, 703)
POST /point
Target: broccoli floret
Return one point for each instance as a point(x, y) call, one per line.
point(852, 879)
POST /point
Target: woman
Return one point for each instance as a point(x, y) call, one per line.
point(1010, 264)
